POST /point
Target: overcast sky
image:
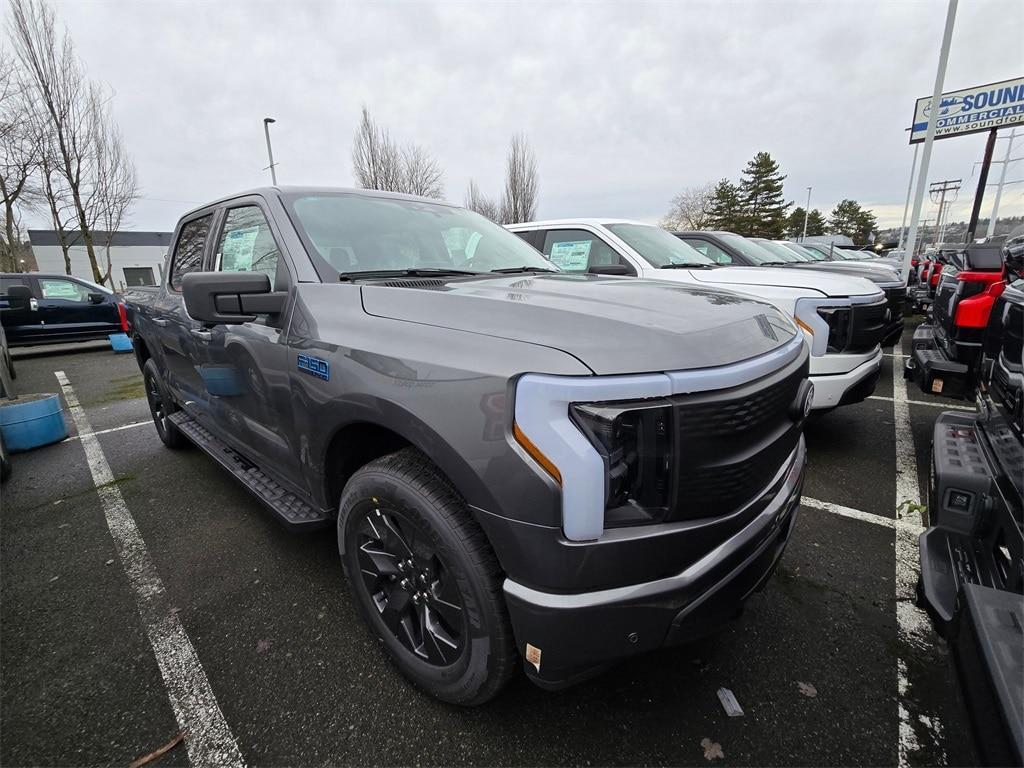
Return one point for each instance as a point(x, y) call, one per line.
point(624, 103)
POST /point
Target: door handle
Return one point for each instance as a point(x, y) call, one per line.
point(159, 321)
point(33, 305)
point(201, 334)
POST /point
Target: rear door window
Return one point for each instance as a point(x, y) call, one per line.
point(188, 252)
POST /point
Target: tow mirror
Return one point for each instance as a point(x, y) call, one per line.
point(19, 297)
point(609, 269)
point(229, 298)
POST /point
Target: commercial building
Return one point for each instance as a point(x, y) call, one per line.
point(136, 258)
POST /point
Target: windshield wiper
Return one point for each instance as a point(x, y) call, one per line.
point(687, 265)
point(515, 270)
point(367, 274)
point(774, 263)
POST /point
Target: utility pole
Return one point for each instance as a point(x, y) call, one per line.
point(938, 190)
point(906, 205)
point(986, 162)
point(999, 188)
point(807, 211)
point(929, 140)
point(270, 152)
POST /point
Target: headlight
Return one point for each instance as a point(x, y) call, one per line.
point(635, 443)
point(826, 323)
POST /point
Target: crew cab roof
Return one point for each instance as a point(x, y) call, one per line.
point(280, 190)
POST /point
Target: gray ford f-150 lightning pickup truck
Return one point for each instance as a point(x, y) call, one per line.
point(521, 463)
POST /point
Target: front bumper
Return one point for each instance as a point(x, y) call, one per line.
point(571, 636)
point(835, 389)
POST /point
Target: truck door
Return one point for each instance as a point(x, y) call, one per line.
point(20, 325)
point(244, 368)
point(71, 310)
point(172, 325)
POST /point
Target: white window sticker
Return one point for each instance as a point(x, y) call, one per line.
point(239, 245)
point(571, 255)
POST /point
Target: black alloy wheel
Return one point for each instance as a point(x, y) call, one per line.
point(160, 407)
point(409, 585)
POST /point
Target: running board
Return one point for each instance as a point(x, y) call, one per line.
point(289, 508)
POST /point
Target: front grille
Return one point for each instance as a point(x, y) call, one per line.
point(895, 299)
point(867, 326)
point(731, 443)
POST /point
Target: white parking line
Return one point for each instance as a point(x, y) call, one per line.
point(867, 517)
point(208, 739)
point(912, 628)
point(132, 425)
point(946, 406)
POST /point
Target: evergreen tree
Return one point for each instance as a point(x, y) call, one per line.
point(724, 211)
point(849, 219)
point(764, 207)
point(815, 223)
point(795, 223)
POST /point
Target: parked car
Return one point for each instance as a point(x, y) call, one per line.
point(59, 308)
point(886, 278)
point(972, 554)
point(827, 252)
point(523, 466)
point(947, 350)
point(843, 317)
point(7, 376)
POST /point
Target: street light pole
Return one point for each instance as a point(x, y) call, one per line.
point(270, 152)
point(807, 210)
point(929, 139)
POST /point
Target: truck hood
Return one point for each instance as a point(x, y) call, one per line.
point(748, 278)
point(613, 325)
point(876, 274)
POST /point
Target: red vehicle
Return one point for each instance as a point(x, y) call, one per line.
point(946, 351)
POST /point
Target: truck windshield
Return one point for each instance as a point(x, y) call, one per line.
point(750, 249)
point(364, 233)
point(781, 252)
point(658, 247)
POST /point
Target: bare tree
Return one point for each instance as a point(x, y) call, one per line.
point(519, 201)
point(691, 208)
point(64, 95)
point(19, 158)
point(486, 206)
point(115, 188)
point(422, 174)
point(59, 207)
point(379, 163)
point(376, 160)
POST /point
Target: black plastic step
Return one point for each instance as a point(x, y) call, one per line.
point(289, 508)
point(936, 374)
point(988, 646)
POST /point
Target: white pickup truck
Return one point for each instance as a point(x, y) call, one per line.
point(844, 318)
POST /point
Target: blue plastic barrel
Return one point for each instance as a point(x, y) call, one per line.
point(120, 342)
point(30, 421)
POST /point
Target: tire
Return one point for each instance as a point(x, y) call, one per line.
point(161, 406)
point(5, 462)
point(448, 632)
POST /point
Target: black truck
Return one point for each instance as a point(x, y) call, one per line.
point(972, 555)
point(54, 308)
point(946, 350)
point(521, 464)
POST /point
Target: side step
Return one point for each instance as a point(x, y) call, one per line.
point(289, 508)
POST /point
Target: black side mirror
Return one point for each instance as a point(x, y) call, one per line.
point(19, 297)
point(609, 269)
point(229, 298)
point(96, 298)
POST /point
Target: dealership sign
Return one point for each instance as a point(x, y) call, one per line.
point(997, 105)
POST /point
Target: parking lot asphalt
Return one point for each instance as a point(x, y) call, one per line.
point(813, 661)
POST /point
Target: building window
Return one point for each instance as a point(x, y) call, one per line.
point(136, 276)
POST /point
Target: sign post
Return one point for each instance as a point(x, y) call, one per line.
point(922, 176)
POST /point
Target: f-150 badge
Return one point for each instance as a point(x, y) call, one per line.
point(314, 366)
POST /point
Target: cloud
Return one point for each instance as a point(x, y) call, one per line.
point(624, 103)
